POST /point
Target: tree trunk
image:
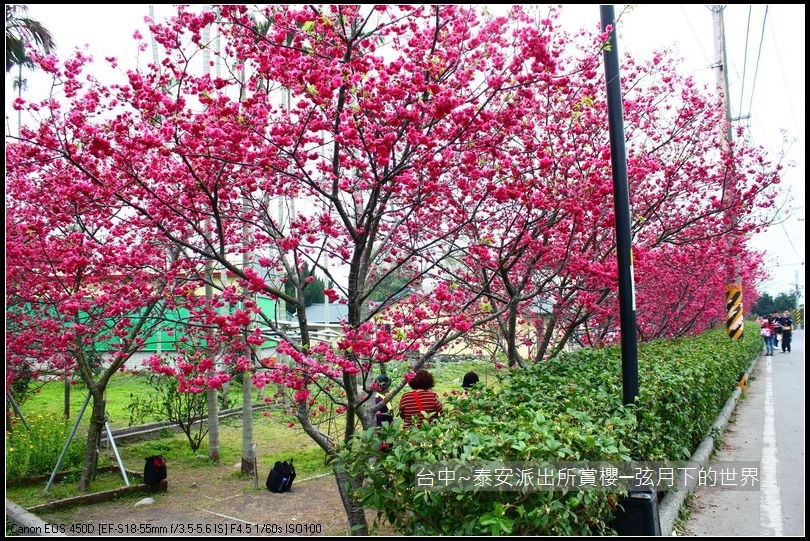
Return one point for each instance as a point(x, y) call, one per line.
point(93, 436)
point(541, 351)
point(511, 338)
point(247, 426)
point(67, 395)
point(248, 450)
point(213, 424)
point(347, 486)
point(211, 394)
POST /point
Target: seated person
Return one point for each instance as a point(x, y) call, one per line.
point(470, 379)
point(421, 403)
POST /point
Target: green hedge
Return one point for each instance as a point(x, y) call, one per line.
point(567, 409)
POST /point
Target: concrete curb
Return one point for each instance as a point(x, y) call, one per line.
point(99, 497)
point(61, 475)
point(671, 504)
point(28, 524)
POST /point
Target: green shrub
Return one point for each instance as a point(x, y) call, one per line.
point(185, 409)
point(35, 451)
point(684, 385)
point(21, 377)
point(569, 409)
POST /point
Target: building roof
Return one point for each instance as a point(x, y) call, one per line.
point(337, 312)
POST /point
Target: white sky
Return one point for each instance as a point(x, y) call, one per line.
point(778, 101)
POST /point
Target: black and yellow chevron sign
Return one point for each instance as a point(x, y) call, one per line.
point(734, 311)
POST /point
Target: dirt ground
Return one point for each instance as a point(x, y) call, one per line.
point(209, 502)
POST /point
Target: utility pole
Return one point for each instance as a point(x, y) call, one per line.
point(638, 513)
point(734, 292)
point(212, 407)
point(155, 56)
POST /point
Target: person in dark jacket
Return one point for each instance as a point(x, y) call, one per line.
point(383, 383)
point(470, 379)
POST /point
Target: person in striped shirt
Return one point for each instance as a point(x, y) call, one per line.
point(421, 403)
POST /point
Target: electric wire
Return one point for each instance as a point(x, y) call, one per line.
point(745, 60)
point(759, 57)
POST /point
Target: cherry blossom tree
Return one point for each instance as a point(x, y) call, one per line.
point(85, 287)
point(554, 259)
point(463, 158)
point(383, 104)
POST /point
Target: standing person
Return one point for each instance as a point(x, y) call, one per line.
point(382, 384)
point(384, 417)
point(776, 321)
point(421, 403)
point(786, 322)
point(767, 333)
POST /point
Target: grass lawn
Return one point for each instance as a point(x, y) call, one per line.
point(448, 375)
point(273, 438)
point(274, 441)
point(67, 487)
point(453, 373)
point(50, 398)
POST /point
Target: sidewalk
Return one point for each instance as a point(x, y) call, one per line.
point(768, 426)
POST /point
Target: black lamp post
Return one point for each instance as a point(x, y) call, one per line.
point(639, 509)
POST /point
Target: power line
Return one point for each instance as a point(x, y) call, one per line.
point(789, 241)
point(787, 90)
point(759, 56)
point(699, 42)
point(745, 62)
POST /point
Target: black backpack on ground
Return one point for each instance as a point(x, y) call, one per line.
point(154, 471)
point(281, 477)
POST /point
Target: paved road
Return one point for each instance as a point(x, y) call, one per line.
point(768, 427)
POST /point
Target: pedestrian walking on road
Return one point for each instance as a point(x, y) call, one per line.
point(775, 320)
point(768, 335)
point(786, 323)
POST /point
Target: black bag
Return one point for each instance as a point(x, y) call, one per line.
point(281, 477)
point(154, 471)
